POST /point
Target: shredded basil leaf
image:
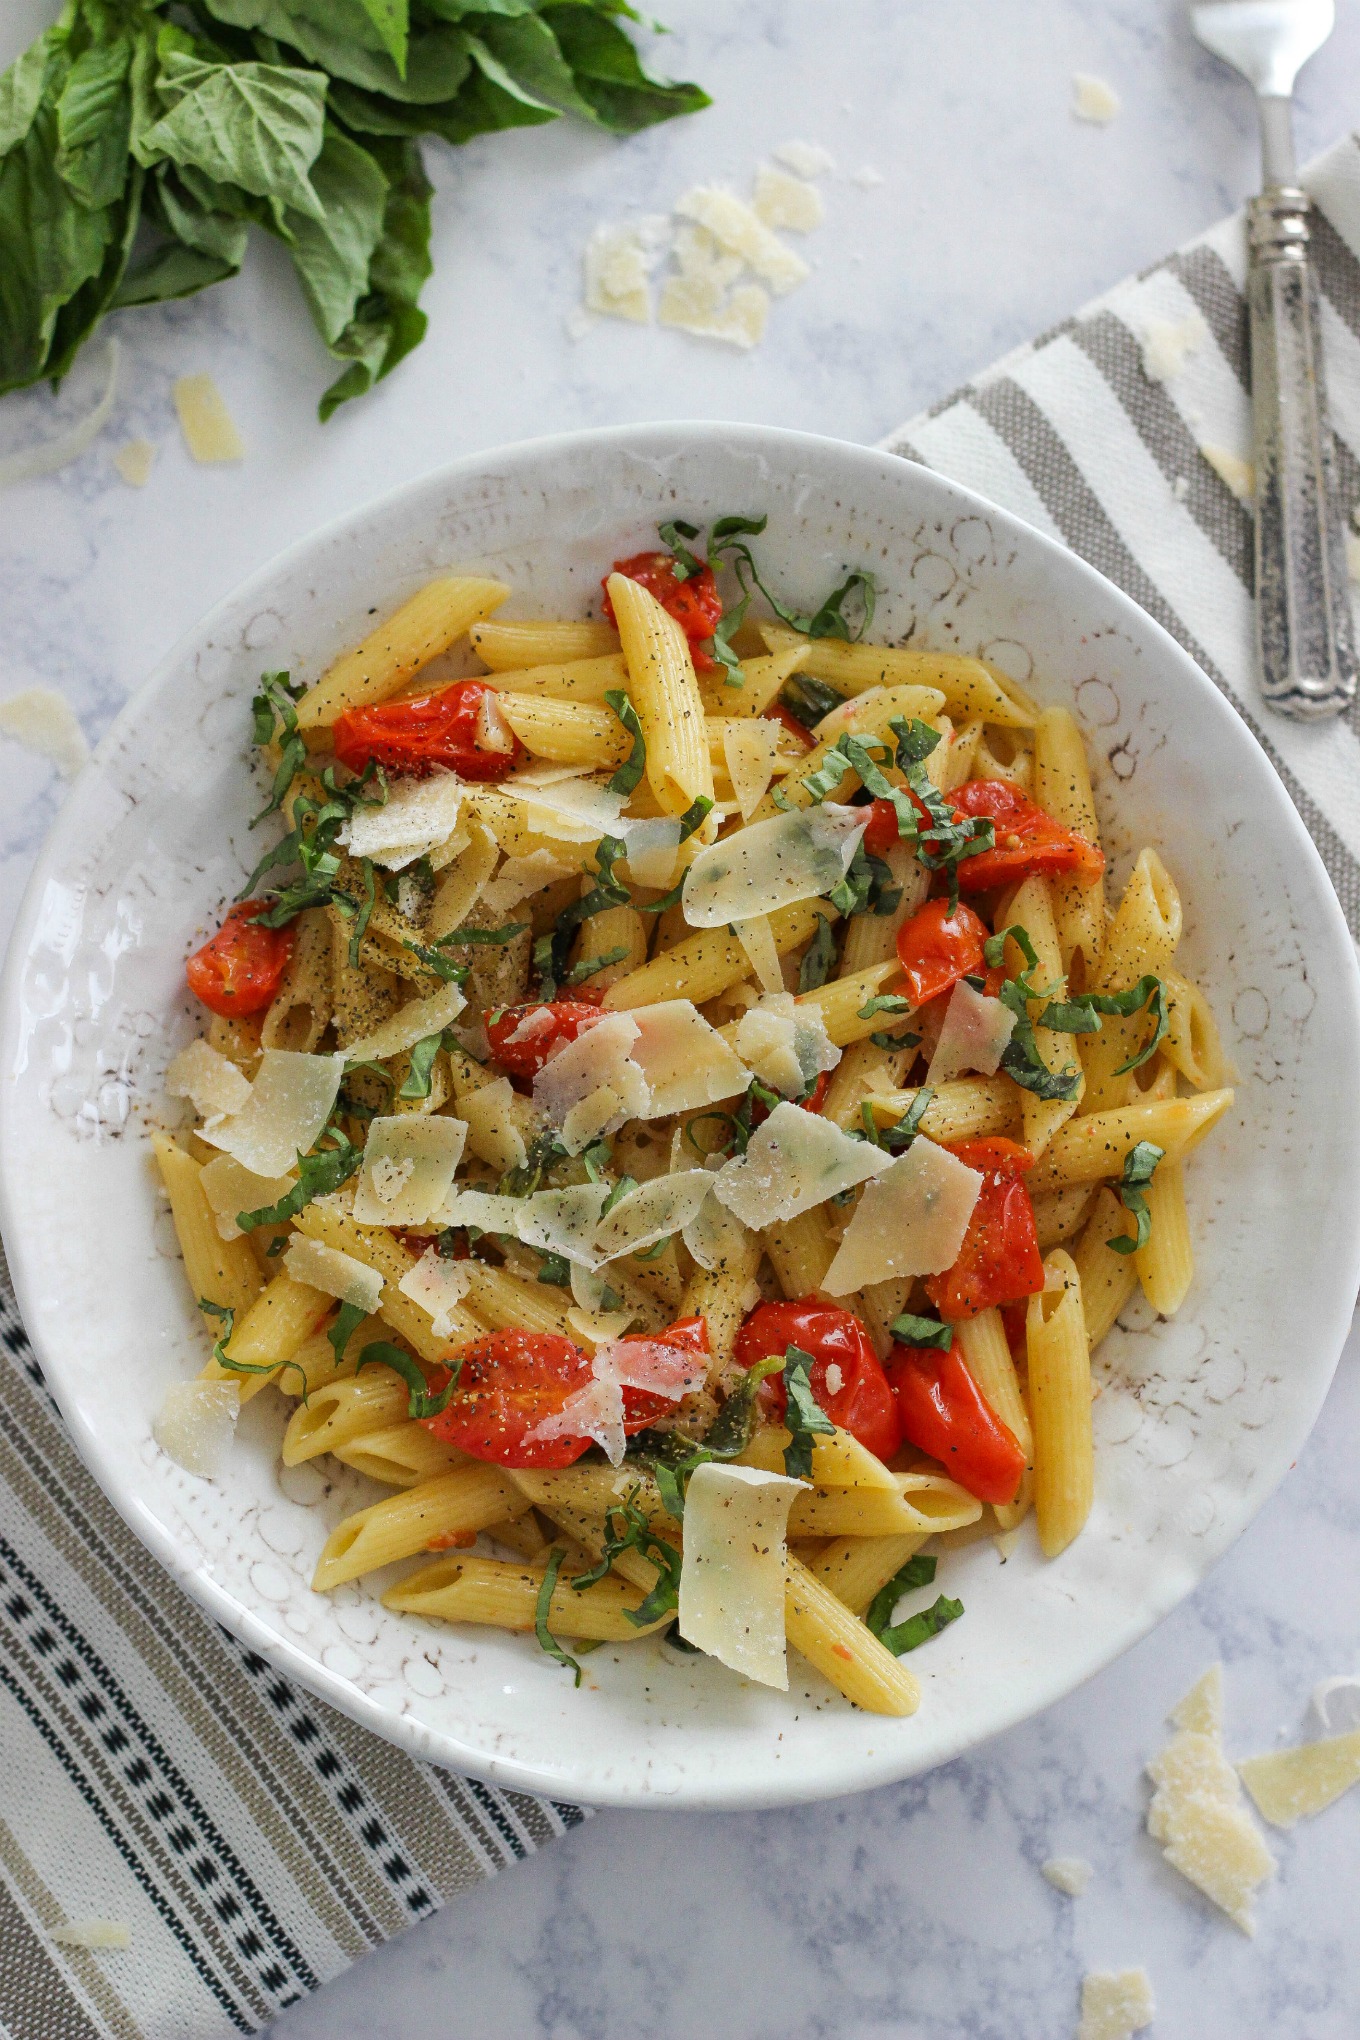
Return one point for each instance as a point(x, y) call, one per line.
point(420, 1075)
point(819, 958)
point(922, 1331)
point(674, 535)
point(904, 1636)
point(804, 1416)
point(674, 1457)
point(275, 719)
point(629, 774)
point(1140, 1165)
point(1081, 1015)
point(808, 700)
point(895, 1139)
point(555, 1270)
point(542, 1608)
point(885, 1002)
point(917, 1572)
point(382, 1353)
point(637, 1535)
point(227, 1315)
point(347, 1321)
point(319, 1173)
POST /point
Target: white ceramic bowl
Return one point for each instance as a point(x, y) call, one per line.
point(1198, 1418)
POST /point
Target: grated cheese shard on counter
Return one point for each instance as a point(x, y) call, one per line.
point(134, 462)
point(1200, 1818)
point(805, 159)
point(1115, 2004)
point(910, 1222)
point(1237, 475)
point(793, 1160)
point(1290, 1785)
point(1093, 100)
point(619, 261)
point(333, 1272)
point(973, 1038)
point(417, 816)
point(408, 1167)
point(732, 1573)
point(738, 229)
point(785, 201)
point(700, 295)
point(438, 1285)
point(44, 722)
point(1169, 343)
point(796, 856)
point(1068, 1874)
point(1201, 1710)
point(209, 429)
point(196, 1424)
point(290, 1101)
point(210, 1081)
point(111, 1934)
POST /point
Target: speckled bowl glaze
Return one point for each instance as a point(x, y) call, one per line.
point(1196, 1420)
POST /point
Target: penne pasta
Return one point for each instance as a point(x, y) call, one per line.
point(666, 696)
point(1107, 1279)
point(446, 1510)
point(568, 732)
point(497, 1595)
point(839, 1646)
point(581, 680)
point(1097, 1144)
point(1060, 1405)
point(1166, 1265)
point(707, 963)
point(505, 646)
point(971, 687)
point(1062, 787)
point(401, 1454)
point(1139, 942)
point(987, 1355)
point(218, 1271)
point(857, 1568)
point(389, 656)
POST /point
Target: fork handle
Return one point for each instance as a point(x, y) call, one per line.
point(1304, 632)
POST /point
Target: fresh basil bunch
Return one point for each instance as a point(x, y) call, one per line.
point(140, 140)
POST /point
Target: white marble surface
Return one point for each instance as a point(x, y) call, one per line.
point(917, 1912)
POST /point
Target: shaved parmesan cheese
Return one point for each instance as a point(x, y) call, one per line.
point(576, 810)
point(652, 845)
point(93, 1934)
point(492, 1133)
point(207, 1079)
point(806, 159)
point(1202, 1708)
point(408, 1166)
point(483, 1208)
point(714, 1237)
point(1237, 474)
point(1169, 343)
point(44, 722)
point(750, 747)
point(563, 1222)
point(685, 1063)
point(416, 1021)
point(1336, 1704)
point(438, 1285)
point(418, 815)
point(1191, 1766)
point(1287, 1785)
point(974, 1036)
point(1093, 99)
point(231, 1189)
point(696, 305)
point(594, 1411)
point(290, 1101)
point(518, 877)
point(757, 939)
point(597, 1328)
point(1198, 1815)
point(785, 1043)
point(335, 1274)
point(589, 1087)
point(795, 856)
point(1068, 1874)
point(619, 261)
point(735, 227)
point(794, 1160)
point(784, 201)
point(135, 461)
point(208, 426)
point(732, 1573)
point(910, 1222)
point(196, 1425)
point(652, 1212)
point(651, 1364)
point(1115, 2004)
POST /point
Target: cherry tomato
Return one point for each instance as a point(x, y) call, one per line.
point(695, 604)
point(785, 717)
point(562, 1020)
point(238, 971)
point(942, 1411)
point(1027, 840)
point(937, 948)
point(846, 1378)
point(999, 1261)
point(882, 831)
point(642, 1406)
point(510, 1382)
point(423, 731)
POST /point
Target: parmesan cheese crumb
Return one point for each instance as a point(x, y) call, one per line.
point(866, 177)
point(740, 231)
point(208, 426)
point(1068, 1874)
point(1288, 1785)
point(196, 1425)
point(619, 262)
point(1237, 474)
point(93, 1934)
point(1169, 343)
point(135, 461)
point(1093, 100)
point(1201, 1710)
point(784, 201)
point(1197, 1811)
point(1115, 2005)
point(805, 159)
point(43, 721)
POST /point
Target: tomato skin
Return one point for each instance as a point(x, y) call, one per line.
point(510, 1382)
point(999, 1261)
point(239, 968)
point(882, 831)
point(526, 1058)
point(936, 948)
point(1027, 840)
point(863, 1404)
point(642, 1406)
point(422, 732)
point(787, 720)
point(942, 1411)
point(695, 604)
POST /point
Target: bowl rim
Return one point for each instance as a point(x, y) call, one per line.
point(856, 1772)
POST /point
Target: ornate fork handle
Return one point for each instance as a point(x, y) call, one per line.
point(1303, 614)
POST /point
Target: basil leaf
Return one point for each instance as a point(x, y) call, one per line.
point(419, 1076)
point(609, 76)
point(674, 1457)
point(490, 937)
point(693, 816)
point(885, 1002)
point(543, 1607)
point(1081, 1015)
point(617, 1191)
point(255, 125)
point(895, 1139)
point(808, 700)
point(917, 1572)
point(629, 774)
point(555, 1270)
point(225, 1312)
point(804, 1415)
point(347, 1321)
point(333, 253)
point(917, 1629)
point(420, 1404)
point(674, 535)
point(819, 958)
point(319, 1173)
point(636, 1534)
point(1140, 1165)
point(391, 18)
point(994, 953)
point(922, 1331)
point(275, 721)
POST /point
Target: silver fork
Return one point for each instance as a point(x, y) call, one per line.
point(1304, 634)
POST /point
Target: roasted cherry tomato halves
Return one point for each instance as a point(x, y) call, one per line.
point(239, 970)
point(999, 1261)
point(642, 1406)
point(942, 1411)
point(846, 1378)
point(1029, 843)
point(695, 604)
point(425, 732)
point(787, 720)
point(541, 1030)
point(936, 948)
point(509, 1384)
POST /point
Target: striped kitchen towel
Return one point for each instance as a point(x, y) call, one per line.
point(1126, 433)
point(156, 1776)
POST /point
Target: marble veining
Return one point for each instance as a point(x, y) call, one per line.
point(915, 1912)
